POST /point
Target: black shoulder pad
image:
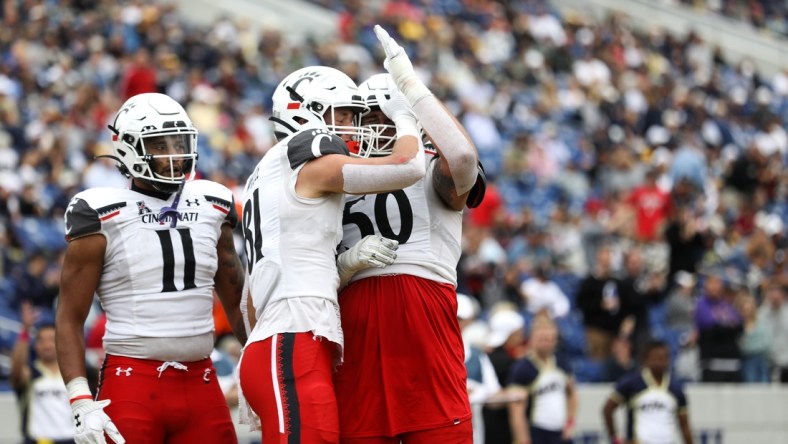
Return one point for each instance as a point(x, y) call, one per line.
point(476, 196)
point(225, 206)
point(313, 143)
point(81, 219)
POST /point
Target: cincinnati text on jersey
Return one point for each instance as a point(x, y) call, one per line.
point(185, 216)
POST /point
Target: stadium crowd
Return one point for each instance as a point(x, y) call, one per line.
point(765, 15)
point(637, 179)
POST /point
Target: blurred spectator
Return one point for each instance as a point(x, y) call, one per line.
point(140, 76)
point(685, 238)
point(652, 206)
point(482, 380)
point(37, 284)
point(719, 327)
point(43, 400)
point(506, 344)
point(680, 303)
point(680, 321)
point(620, 362)
point(547, 415)
point(655, 402)
point(640, 289)
point(774, 312)
point(225, 358)
point(756, 342)
point(541, 295)
point(603, 309)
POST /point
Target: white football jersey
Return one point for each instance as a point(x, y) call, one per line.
point(45, 407)
point(291, 242)
point(157, 281)
point(429, 232)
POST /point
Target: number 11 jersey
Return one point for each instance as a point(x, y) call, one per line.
point(157, 281)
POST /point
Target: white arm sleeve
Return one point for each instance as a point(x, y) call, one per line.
point(371, 179)
point(454, 146)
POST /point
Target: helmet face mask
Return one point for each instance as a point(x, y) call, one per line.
point(154, 141)
point(384, 133)
point(313, 97)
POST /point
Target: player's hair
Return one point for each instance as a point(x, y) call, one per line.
point(43, 325)
point(543, 321)
point(651, 345)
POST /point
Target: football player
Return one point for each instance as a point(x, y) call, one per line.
point(292, 223)
point(546, 413)
point(655, 403)
point(154, 254)
point(404, 379)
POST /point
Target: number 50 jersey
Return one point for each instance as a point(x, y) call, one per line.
point(157, 281)
point(429, 233)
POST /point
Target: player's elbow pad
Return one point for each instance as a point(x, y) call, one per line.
point(368, 179)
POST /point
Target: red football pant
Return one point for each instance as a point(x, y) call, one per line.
point(404, 369)
point(287, 381)
point(172, 406)
point(453, 434)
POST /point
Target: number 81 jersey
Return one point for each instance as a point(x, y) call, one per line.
point(429, 233)
point(156, 281)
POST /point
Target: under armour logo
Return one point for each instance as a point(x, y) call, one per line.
point(142, 208)
point(205, 375)
point(189, 202)
point(119, 370)
point(76, 420)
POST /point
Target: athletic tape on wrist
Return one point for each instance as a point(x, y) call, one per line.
point(407, 126)
point(78, 389)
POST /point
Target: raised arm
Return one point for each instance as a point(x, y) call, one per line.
point(457, 169)
point(20, 373)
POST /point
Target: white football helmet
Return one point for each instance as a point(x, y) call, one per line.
point(303, 98)
point(381, 142)
point(143, 118)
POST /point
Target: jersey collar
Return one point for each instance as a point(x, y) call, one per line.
point(652, 383)
point(152, 193)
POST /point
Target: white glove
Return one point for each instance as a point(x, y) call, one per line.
point(400, 112)
point(400, 67)
point(91, 423)
point(371, 251)
point(395, 107)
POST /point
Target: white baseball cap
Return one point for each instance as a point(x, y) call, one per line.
point(467, 307)
point(502, 325)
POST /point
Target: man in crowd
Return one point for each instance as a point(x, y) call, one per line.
point(547, 414)
point(774, 312)
point(655, 403)
point(43, 399)
point(719, 327)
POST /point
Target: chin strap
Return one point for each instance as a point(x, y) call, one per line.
point(172, 212)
